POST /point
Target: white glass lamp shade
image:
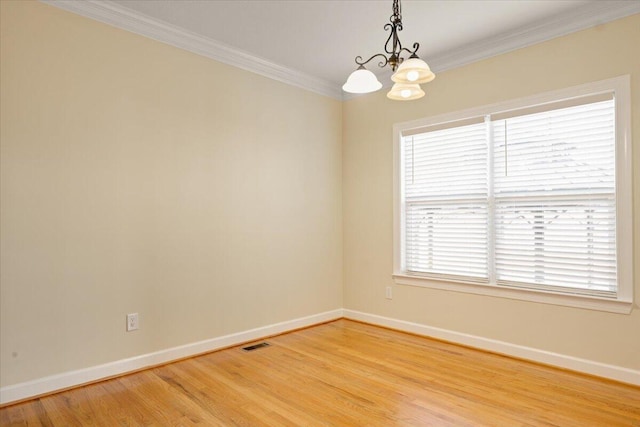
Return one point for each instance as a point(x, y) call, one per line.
point(413, 71)
point(405, 92)
point(362, 81)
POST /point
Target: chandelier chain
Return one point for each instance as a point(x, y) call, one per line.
point(397, 12)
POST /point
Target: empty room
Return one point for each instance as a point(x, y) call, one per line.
point(319, 213)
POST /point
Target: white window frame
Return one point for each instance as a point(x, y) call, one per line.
point(623, 303)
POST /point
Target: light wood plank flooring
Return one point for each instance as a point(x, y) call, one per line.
point(341, 373)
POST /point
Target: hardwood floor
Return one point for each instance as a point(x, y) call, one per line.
point(341, 373)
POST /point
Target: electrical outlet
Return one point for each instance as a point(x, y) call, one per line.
point(132, 322)
point(387, 293)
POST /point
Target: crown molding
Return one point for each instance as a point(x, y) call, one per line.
point(591, 14)
point(127, 19)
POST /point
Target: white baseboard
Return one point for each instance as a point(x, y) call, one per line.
point(65, 380)
point(79, 377)
point(590, 367)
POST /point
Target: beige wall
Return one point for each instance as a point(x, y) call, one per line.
point(602, 52)
point(137, 177)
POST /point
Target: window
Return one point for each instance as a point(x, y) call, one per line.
point(529, 199)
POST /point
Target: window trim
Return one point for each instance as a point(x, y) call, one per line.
point(621, 87)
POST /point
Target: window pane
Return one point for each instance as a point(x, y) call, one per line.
point(448, 163)
point(570, 150)
point(447, 239)
point(557, 244)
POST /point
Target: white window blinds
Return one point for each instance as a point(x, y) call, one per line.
point(554, 186)
point(525, 199)
point(446, 211)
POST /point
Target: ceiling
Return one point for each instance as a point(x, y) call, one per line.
point(313, 43)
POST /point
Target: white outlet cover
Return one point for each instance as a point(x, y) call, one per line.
point(132, 322)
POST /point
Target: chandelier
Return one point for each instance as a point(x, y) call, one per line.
point(408, 73)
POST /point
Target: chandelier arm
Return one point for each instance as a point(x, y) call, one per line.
point(412, 52)
point(381, 64)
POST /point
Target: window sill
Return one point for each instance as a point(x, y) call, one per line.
point(544, 297)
